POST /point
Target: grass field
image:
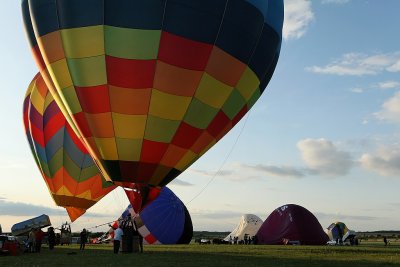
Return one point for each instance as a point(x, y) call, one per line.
point(213, 255)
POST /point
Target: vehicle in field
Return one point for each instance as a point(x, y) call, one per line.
point(205, 241)
point(8, 245)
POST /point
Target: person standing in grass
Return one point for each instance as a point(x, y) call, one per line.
point(255, 240)
point(31, 241)
point(136, 233)
point(51, 237)
point(39, 235)
point(83, 236)
point(245, 239)
point(118, 233)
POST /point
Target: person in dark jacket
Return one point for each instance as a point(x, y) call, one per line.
point(83, 236)
point(51, 237)
point(136, 233)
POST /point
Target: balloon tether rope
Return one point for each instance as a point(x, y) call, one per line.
point(223, 162)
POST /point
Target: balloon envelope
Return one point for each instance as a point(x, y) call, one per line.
point(293, 223)
point(41, 63)
point(249, 224)
point(140, 196)
point(337, 230)
point(72, 178)
point(164, 221)
point(151, 85)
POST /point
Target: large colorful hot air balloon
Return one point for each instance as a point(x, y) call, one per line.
point(164, 221)
point(72, 178)
point(151, 85)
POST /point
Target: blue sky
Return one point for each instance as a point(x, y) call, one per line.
point(324, 135)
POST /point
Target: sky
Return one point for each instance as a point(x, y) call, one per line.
point(324, 135)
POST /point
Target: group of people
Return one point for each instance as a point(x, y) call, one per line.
point(118, 233)
point(35, 239)
point(247, 240)
point(36, 236)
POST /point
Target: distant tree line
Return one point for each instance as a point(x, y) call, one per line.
point(209, 235)
point(378, 235)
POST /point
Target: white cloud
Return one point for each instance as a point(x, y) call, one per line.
point(322, 157)
point(364, 122)
point(356, 90)
point(335, 1)
point(395, 67)
point(343, 217)
point(384, 161)
point(228, 175)
point(27, 209)
point(390, 111)
point(210, 173)
point(389, 84)
point(179, 182)
point(358, 64)
point(200, 172)
point(241, 178)
point(283, 171)
point(225, 172)
point(298, 15)
point(216, 214)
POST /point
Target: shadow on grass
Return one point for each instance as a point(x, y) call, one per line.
point(195, 255)
point(341, 249)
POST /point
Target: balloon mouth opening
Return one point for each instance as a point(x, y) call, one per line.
point(132, 189)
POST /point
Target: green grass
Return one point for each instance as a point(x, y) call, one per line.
point(212, 255)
